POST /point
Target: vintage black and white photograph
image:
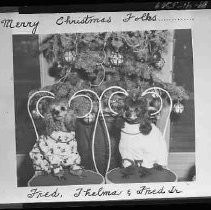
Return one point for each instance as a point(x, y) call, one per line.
point(104, 108)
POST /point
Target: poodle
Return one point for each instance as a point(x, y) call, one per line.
point(142, 145)
point(57, 149)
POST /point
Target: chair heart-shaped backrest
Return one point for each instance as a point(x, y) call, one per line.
point(43, 95)
point(83, 93)
point(157, 91)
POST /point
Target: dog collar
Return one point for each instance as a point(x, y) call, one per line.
point(130, 133)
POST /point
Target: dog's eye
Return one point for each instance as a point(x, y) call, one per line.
point(126, 108)
point(63, 108)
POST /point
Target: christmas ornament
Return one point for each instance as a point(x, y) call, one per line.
point(70, 56)
point(156, 56)
point(35, 114)
point(142, 60)
point(178, 108)
point(159, 64)
point(116, 58)
point(90, 118)
point(59, 65)
point(56, 70)
point(156, 94)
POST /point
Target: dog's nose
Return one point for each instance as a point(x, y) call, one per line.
point(56, 112)
point(133, 116)
point(127, 114)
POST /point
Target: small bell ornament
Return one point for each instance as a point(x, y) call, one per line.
point(160, 63)
point(156, 56)
point(156, 94)
point(35, 114)
point(178, 108)
point(59, 65)
point(90, 118)
point(116, 58)
point(142, 60)
point(69, 56)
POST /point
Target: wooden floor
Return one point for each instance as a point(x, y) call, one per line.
point(181, 163)
point(182, 134)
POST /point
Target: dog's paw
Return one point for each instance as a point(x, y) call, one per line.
point(143, 172)
point(60, 175)
point(40, 173)
point(128, 171)
point(158, 167)
point(78, 172)
point(124, 174)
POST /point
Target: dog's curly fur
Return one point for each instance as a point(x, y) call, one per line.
point(134, 112)
point(59, 117)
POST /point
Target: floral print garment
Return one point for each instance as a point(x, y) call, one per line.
point(54, 152)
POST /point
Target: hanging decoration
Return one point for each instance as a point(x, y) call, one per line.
point(116, 58)
point(69, 56)
point(156, 56)
point(159, 64)
point(142, 60)
point(90, 118)
point(178, 108)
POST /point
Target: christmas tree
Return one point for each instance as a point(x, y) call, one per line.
point(96, 61)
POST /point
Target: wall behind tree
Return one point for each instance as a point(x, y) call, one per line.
point(26, 77)
point(183, 125)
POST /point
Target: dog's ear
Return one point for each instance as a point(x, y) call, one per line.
point(70, 121)
point(49, 124)
point(119, 123)
point(145, 127)
point(128, 102)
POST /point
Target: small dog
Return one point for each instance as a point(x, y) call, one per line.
point(59, 117)
point(141, 144)
point(57, 149)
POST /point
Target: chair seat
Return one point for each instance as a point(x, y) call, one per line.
point(88, 177)
point(115, 176)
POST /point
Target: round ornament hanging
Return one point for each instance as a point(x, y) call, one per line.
point(156, 94)
point(156, 56)
point(69, 56)
point(142, 60)
point(178, 108)
point(35, 114)
point(160, 63)
point(59, 65)
point(90, 118)
point(116, 58)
